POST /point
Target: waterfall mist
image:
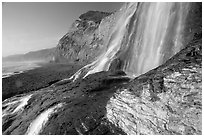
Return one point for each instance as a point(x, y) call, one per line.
point(144, 37)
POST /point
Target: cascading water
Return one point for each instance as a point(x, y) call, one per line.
point(145, 36)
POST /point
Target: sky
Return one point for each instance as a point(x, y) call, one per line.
point(34, 26)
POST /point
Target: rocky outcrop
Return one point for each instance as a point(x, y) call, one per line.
point(165, 100)
point(84, 41)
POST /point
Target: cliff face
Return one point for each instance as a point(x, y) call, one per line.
point(84, 41)
point(91, 34)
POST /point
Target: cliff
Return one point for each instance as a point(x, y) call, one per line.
point(89, 36)
point(85, 39)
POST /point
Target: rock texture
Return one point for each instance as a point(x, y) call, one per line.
point(84, 41)
point(88, 37)
point(166, 100)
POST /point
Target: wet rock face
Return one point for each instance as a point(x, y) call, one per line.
point(166, 100)
point(82, 108)
point(84, 40)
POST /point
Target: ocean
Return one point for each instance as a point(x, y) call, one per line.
point(13, 68)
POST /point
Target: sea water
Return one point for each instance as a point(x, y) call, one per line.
point(13, 68)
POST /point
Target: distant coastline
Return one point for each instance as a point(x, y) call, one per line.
point(10, 68)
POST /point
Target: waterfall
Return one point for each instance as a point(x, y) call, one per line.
point(38, 124)
point(14, 104)
point(144, 37)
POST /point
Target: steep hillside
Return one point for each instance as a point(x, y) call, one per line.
point(42, 55)
point(85, 39)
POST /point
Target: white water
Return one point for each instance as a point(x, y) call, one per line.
point(5, 75)
point(37, 125)
point(145, 36)
point(15, 104)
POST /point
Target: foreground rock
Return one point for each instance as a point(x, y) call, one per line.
point(166, 100)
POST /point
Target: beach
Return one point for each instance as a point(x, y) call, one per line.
point(39, 77)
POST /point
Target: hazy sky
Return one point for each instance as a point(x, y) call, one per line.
point(33, 26)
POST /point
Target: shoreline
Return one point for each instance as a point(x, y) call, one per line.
point(34, 79)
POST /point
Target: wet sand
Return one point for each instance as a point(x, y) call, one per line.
point(37, 78)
